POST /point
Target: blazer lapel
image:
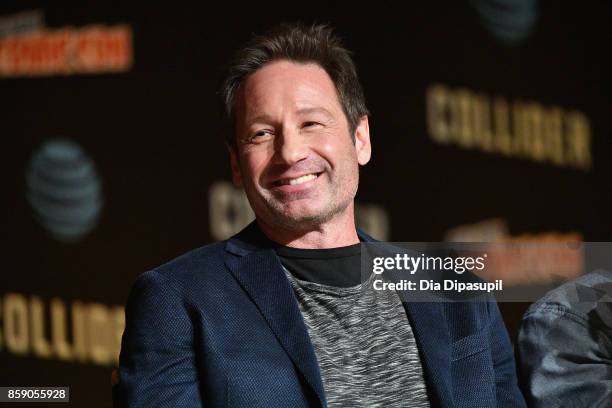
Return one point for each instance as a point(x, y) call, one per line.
point(260, 273)
point(432, 337)
point(433, 340)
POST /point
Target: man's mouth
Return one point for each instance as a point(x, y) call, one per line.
point(297, 180)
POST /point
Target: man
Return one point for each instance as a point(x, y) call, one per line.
point(565, 345)
point(277, 316)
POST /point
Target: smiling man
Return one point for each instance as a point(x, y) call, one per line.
point(295, 156)
point(277, 315)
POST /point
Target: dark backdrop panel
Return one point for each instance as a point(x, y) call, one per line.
point(153, 134)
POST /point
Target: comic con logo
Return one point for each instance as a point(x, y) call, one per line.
point(64, 190)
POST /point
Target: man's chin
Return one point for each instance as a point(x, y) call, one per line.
point(302, 218)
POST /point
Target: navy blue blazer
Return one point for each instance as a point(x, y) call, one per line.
point(220, 327)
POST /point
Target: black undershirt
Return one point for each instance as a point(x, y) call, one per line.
point(339, 266)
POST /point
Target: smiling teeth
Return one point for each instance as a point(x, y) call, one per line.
point(302, 179)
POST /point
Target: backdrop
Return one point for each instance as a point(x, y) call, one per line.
point(490, 121)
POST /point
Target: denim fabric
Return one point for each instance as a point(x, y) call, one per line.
point(565, 345)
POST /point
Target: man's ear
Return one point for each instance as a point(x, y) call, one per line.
point(362, 141)
point(236, 174)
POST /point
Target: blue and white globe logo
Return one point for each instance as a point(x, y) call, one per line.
point(510, 21)
point(64, 190)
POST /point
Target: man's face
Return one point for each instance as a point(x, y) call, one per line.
point(295, 157)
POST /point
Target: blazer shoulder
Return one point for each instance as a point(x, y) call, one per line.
point(196, 264)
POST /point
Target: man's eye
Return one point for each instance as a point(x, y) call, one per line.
point(260, 134)
point(310, 124)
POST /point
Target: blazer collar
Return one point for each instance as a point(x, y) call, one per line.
point(259, 271)
point(252, 239)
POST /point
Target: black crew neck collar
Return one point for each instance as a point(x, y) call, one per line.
point(319, 253)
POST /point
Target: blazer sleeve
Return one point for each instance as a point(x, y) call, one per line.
point(506, 382)
point(157, 363)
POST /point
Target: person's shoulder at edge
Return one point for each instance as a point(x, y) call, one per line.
point(577, 297)
point(564, 345)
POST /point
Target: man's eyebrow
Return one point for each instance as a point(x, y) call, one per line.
point(265, 118)
point(259, 118)
point(305, 111)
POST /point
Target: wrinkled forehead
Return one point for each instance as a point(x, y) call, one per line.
point(284, 87)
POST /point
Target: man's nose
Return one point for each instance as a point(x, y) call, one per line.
point(291, 146)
